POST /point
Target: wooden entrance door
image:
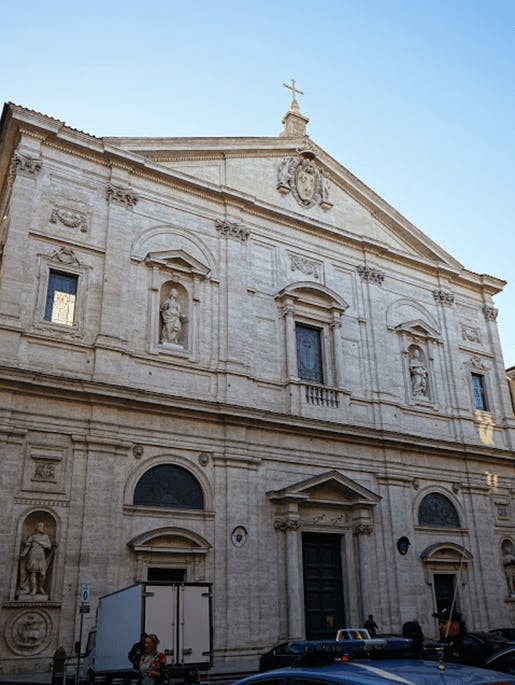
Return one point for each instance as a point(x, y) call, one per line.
point(444, 590)
point(323, 586)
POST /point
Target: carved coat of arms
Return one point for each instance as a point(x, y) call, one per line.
point(308, 184)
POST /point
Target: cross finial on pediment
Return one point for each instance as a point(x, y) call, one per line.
point(294, 90)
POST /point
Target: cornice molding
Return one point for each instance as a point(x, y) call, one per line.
point(46, 385)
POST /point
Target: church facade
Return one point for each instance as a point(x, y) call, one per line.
point(229, 360)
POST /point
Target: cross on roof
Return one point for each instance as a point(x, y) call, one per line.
point(293, 90)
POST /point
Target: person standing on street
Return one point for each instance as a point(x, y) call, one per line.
point(136, 652)
point(458, 646)
point(371, 626)
point(153, 663)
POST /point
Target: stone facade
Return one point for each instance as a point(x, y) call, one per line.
point(221, 359)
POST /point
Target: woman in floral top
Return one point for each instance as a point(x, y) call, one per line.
point(152, 664)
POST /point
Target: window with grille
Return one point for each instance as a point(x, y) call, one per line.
point(170, 487)
point(61, 298)
point(309, 354)
point(478, 389)
point(437, 511)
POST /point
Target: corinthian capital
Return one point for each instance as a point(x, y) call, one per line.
point(490, 312)
point(121, 196)
point(363, 529)
point(287, 523)
point(26, 166)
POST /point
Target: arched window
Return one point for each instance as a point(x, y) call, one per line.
point(170, 487)
point(436, 511)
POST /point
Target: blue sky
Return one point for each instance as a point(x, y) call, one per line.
point(414, 97)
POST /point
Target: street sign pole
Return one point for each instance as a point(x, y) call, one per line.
point(84, 609)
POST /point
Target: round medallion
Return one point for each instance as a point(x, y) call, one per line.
point(29, 632)
point(239, 536)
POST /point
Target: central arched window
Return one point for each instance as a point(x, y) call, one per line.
point(437, 511)
point(170, 487)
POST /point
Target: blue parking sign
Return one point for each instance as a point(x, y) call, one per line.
point(84, 592)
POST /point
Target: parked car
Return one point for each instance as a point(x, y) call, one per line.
point(476, 649)
point(507, 633)
point(488, 643)
point(353, 634)
point(503, 661)
point(357, 634)
point(301, 651)
point(352, 662)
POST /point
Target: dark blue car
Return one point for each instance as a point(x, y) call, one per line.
point(348, 663)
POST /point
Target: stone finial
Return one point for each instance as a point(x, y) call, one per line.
point(294, 122)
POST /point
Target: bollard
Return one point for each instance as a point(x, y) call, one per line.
point(58, 666)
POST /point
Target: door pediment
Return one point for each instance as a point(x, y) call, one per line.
point(445, 553)
point(331, 488)
point(169, 540)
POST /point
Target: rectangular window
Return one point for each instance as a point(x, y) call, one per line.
point(61, 298)
point(478, 387)
point(309, 354)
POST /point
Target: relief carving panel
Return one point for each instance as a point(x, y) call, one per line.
point(29, 631)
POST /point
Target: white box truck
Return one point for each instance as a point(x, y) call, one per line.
point(179, 614)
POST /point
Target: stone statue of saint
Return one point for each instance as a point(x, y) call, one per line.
point(283, 180)
point(172, 318)
point(324, 183)
point(35, 559)
point(508, 561)
point(418, 372)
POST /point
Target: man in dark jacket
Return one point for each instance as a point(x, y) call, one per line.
point(458, 645)
point(136, 652)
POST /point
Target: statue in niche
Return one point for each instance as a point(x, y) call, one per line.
point(171, 315)
point(508, 560)
point(36, 556)
point(418, 374)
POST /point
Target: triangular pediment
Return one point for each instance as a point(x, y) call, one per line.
point(177, 260)
point(248, 175)
point(343, 201)
point(418, 329)
point(331, 487)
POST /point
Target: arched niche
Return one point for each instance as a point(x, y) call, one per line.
point(179, 290)
point(36, 557)
point(419, 338)
point(174, 307)
point(508, 562)
point(418, 372)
